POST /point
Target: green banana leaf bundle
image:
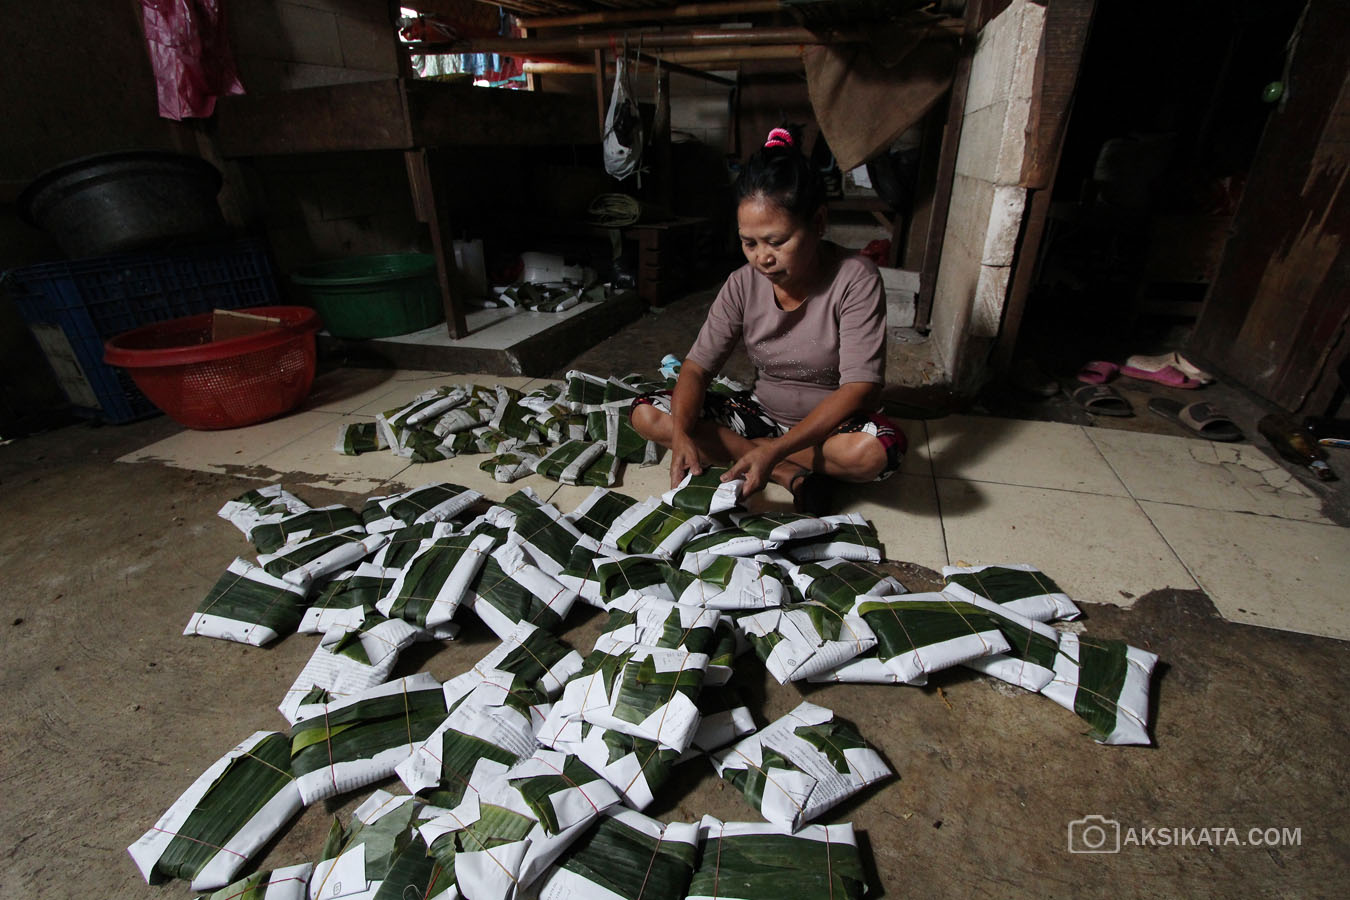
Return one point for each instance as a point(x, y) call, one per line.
point(512, 466)
point(799, 766)
point(800, 640)
point(706, 493)
point(757, 861)
point(854, 538)
point(538, 657)
point(645, 692)
point(1107, 684)
point(347, 590)
point(654, 622)
point(229, 813)
point(918, 634)
point(350, 743)
point(431, 587)
point(248, 605)
point(732, 583)
point(1022, 588)
point(268, 504)
point(295, 556)
point(269, 537)
point(381, 855)
point(510, 589)
point(289, 883)
point(514, 824)
point(594, 515)
point(635, 767)
point(585, 392)
point(495, 725)
point(568, 462)
point(355, 438)
point(429, 503)
point(837, 583)
point(652, 527)
point(626, 856)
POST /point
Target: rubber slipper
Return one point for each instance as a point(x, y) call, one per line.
point(810, 493)
point(1173, 359)
point(1097, 372)
point(1200, 417)
point(1168, 375)
point(1100, 400)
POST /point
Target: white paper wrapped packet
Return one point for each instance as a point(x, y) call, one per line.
point(755, 860)
point(865, 669)
point(635, 767)
point(295, 556)
point(510, 589)
point(345, 591)
point(801, 640)
point(340, 557)
point(289, 883)
point(731, 582)
point(233, 809)
point(854, 538)
point(625, 856)
point(1020, 587)
point(429, 503)
point(781, 527)
point(473, 731)
point(248, 605)
point(658, 623)
point(360, 739)
point(594, 515)
point(431, 587)
point(270, 537)
point(268, 504)
point(538, 657)
point(652, 527)
point(1032, 646)
point(513, 824)
point(1107, 684)
point(568, 462)
point(645, 692)
point(510, 466)
point(705, 493)
point(837, 582)
point(799, 766)
point(357, 652)
point(918, 634)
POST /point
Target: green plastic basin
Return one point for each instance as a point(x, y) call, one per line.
point(374, 296)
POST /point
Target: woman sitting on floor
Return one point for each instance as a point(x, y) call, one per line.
point(812, 316)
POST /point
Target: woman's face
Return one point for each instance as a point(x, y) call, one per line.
point(781, 247)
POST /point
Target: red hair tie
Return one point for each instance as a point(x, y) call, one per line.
point(779, 137)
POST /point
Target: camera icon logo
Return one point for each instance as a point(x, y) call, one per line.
point(1094, 834)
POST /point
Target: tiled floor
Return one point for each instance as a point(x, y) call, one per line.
point(1110, 515)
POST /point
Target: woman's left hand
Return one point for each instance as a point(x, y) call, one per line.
point(755, 467)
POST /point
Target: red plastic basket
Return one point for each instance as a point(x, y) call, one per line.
point(209, 385)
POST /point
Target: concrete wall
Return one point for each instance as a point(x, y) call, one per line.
point(987, 202)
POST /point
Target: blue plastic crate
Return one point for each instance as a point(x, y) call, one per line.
point(78, 304)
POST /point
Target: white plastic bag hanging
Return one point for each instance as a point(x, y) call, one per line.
point(623, 125)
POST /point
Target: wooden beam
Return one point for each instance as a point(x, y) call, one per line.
point(651, 40)
point(423, 181)
point(686, 11)
point(946, 175)
point(600, 89)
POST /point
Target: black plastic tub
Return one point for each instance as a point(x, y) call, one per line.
point(125, 201)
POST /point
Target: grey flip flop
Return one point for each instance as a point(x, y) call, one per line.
point(1200, 417)
point(1102, 400)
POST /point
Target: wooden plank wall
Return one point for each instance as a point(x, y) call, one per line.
point(1275, 319)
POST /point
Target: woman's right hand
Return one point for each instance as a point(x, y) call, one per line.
point(683, 458)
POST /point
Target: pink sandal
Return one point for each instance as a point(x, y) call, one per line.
point(1168, 375)
point(1097, 372)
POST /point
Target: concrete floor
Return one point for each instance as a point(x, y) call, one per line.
point(1178, 546)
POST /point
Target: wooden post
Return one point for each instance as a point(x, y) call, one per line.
point(600, 89)
point(422, 179)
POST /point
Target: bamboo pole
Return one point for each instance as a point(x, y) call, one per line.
point(731, 55)
point(715, 37)
point(569, 68)
point(683, 11)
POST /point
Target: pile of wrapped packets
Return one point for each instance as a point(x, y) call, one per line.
point(526, 775)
